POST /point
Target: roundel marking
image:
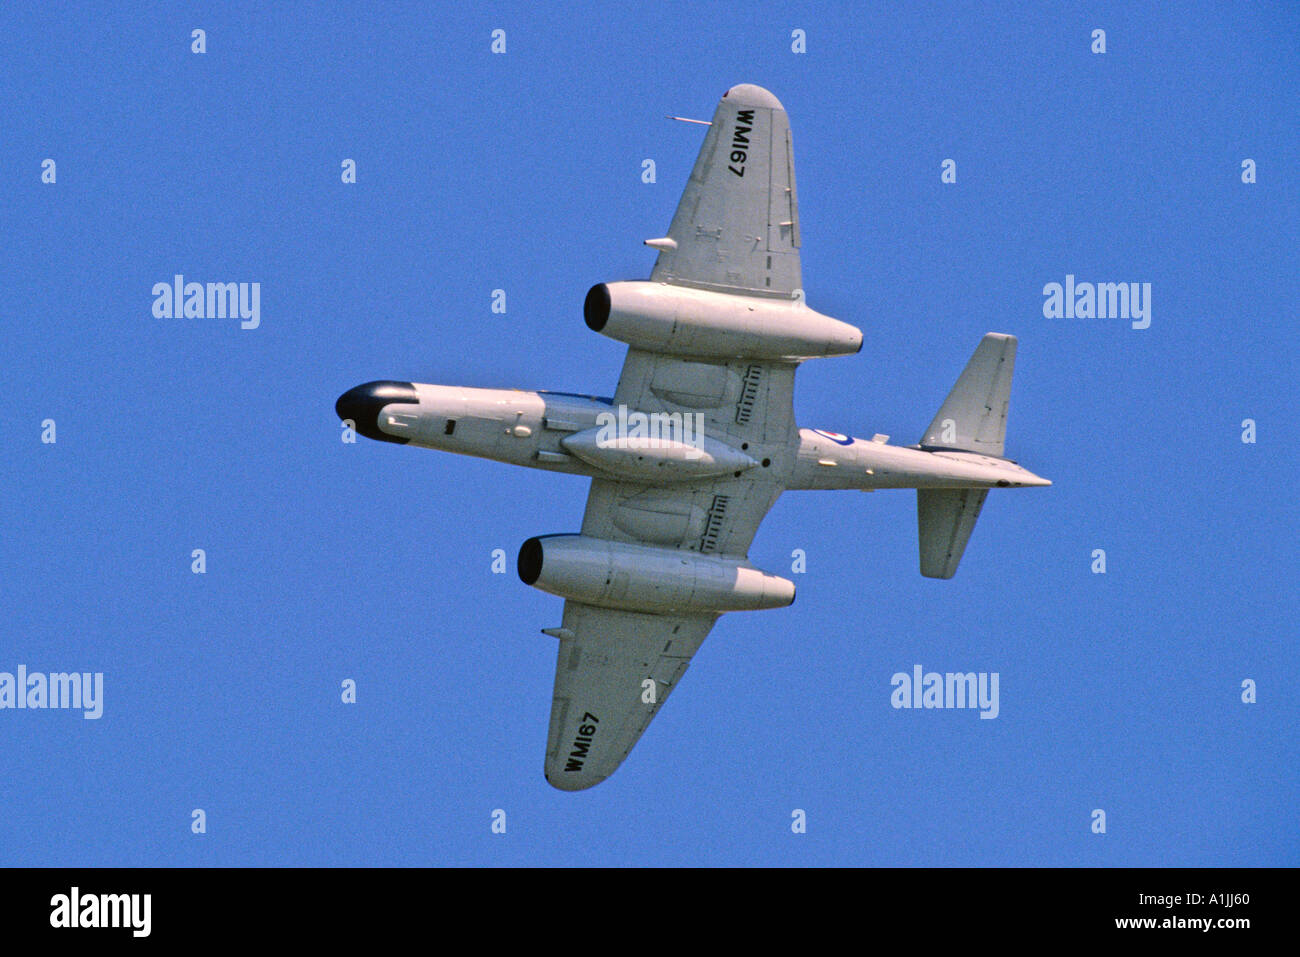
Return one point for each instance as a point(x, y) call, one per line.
point(835, 437)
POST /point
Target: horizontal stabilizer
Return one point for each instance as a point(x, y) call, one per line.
point(974, 417)
point(945, 518)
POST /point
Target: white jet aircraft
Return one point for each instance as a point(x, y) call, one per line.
point(697, 443)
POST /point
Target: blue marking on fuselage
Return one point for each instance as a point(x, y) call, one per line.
point(577, 395)
point(835, 437)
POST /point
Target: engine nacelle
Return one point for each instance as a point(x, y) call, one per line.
point(644, 578)
point(681, 321)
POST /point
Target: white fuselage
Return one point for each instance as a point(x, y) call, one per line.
point(583, 435)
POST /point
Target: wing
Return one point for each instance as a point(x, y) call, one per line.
point(736, 230)
point(737, 226)
point(601, 701)
point(748, 405)
point(615, 669)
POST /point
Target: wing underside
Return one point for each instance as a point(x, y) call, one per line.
point(615, 668)
point(748, 405)
point(736, 228)
point(614, 671)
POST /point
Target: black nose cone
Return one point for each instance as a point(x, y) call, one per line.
point(363, 404)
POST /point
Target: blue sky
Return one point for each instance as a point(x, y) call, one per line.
point(1118, 691)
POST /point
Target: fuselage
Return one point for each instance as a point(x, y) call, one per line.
point(589, 435)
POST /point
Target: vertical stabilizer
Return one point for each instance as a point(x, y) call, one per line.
point(974, 416)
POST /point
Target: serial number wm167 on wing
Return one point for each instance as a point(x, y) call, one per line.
point(582, 743)
point(740, 142)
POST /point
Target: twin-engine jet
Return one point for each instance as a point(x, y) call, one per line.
point(697, 443)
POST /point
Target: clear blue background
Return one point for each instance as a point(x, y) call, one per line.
point(370, 561)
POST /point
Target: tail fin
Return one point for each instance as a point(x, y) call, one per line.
point(974, 416)
point(972, 419)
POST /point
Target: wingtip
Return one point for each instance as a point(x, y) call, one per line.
point(747, 94)
point(581, 783)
